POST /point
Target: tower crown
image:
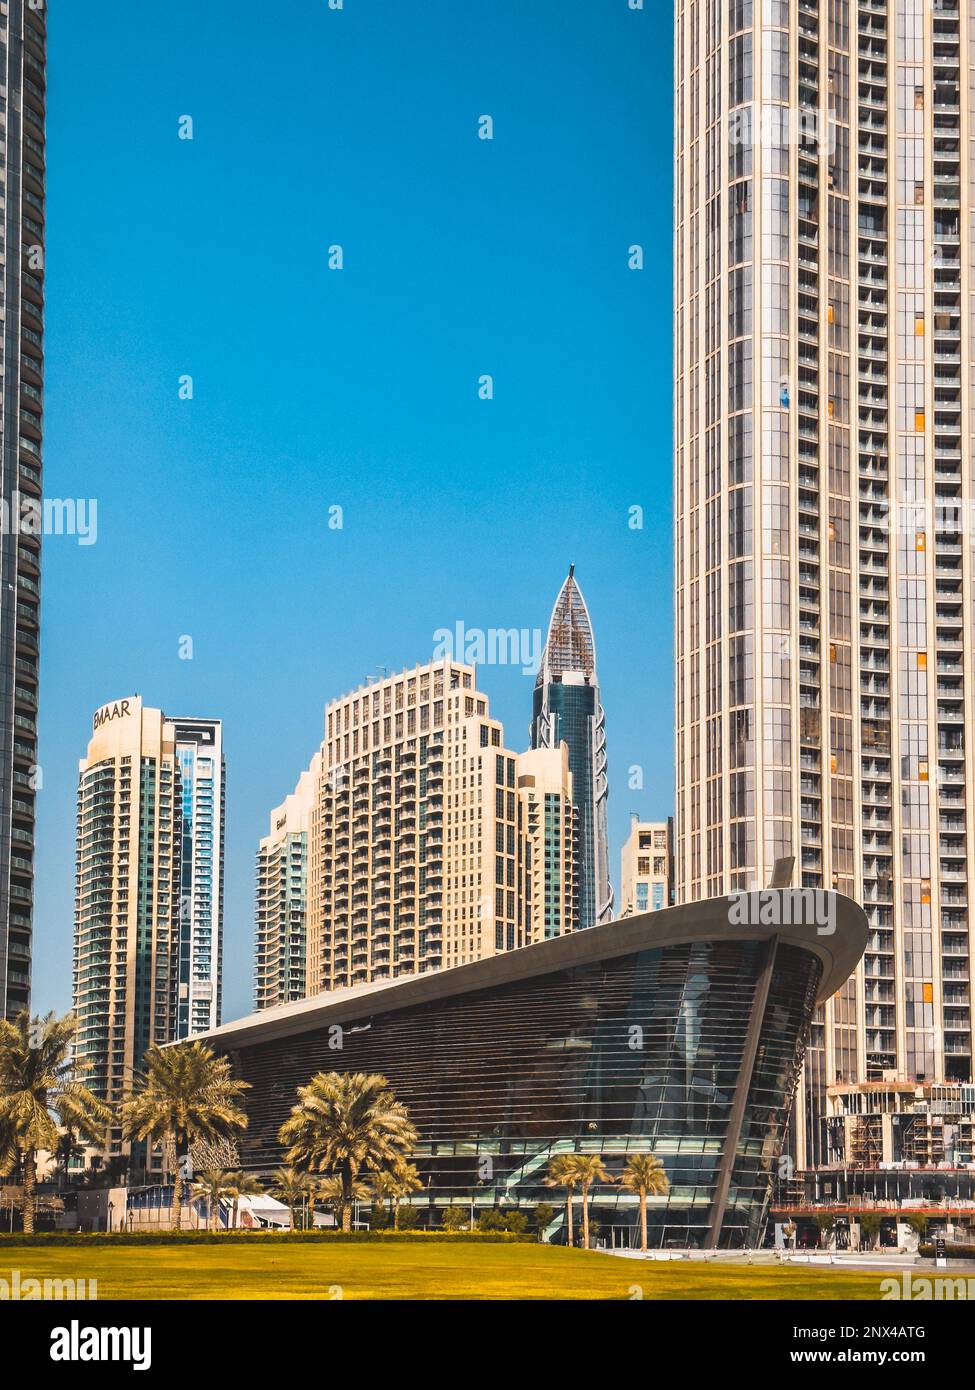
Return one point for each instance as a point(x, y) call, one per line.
point(570, 645)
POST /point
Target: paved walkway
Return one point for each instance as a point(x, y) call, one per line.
point(840, 1259)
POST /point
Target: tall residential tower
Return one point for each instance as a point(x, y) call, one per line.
point(22, 61)
point(149, 888)
point(567, 708)
point(202, 790)
point(281, 935)
point(416, 855)
point(550, 824)
point(824, 265)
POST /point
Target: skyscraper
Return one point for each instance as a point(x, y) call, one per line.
point(149, 888)
point(416, 854)
point(281, 936)
point(567, 707)
point(551, 826)
point(202, 789)
point(22, 61)
point(823, 490)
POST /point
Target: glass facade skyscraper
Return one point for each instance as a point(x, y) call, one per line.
point(199, 754)
point(823, 493)
point(22, 154)
point(567, 708)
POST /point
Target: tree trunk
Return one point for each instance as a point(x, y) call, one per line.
point(585, 1218)
point(568, 1218)
point(233, 1213)
point(172, 1162)
point(346, 1197)
point(30, 1182)
point(643, 1221)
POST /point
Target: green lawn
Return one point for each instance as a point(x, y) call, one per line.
point(418, 1271)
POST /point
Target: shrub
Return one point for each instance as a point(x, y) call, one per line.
point(542, 1218)
point(455, 1219)
point(319, 1237)
point(963, 1250)
point(515, 1222)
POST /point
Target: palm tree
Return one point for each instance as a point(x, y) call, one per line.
point(8, 1149)
point(644, 1174)
point(383, 1185)
point(213, 1184)
point(292, 1187)
point(870, 1227)
point(67, 1149)
point(404, 1179)
point(116, 1169)
point(562, 1172)
point(241, 1185)
point(332, 1192)
point(182, 1094)
point(590, 1169)
point(42, 1087)
point(349, 1124)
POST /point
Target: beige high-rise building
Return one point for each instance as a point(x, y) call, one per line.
point(824, 266)
point(149, 889)
point(416, 851)
point(647, 864)
point(282, 897)
point(127, 901)
point(550, 823)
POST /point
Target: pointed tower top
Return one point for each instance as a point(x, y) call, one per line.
point(570, 645)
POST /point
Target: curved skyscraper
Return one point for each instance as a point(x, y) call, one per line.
point(567, 708)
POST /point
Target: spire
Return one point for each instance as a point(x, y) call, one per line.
point(570, 645)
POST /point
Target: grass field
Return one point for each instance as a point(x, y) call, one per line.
point(418, 1271)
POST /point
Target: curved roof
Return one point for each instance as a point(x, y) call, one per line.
point(570, 645)
point(830, 926)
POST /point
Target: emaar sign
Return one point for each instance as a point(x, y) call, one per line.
point(119, 710)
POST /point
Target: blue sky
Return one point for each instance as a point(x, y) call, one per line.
point(315, 388)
